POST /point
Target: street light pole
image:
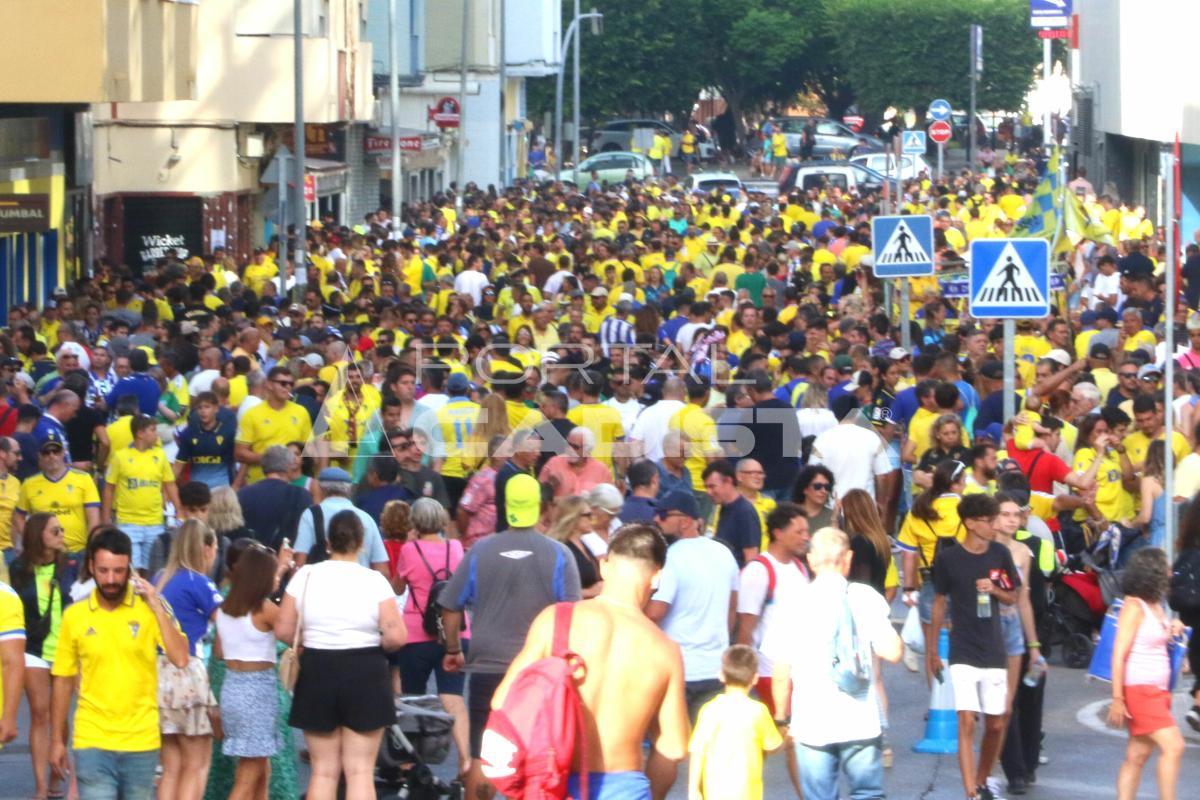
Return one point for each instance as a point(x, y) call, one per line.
point(575, 93)
point(503, 111)
point(300, 212)
point(564, 47)
point(461, 146)
point(393, 100)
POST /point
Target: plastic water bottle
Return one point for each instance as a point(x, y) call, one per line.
point(1035, 672)
point(983, 605)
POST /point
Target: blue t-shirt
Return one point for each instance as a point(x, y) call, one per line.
point(209, 453)
point(193, 598)
point(141, 385)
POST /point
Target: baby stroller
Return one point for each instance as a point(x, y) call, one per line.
point(419, 737)
point(1078, 596)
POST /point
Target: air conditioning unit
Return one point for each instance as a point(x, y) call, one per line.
point(252, 146)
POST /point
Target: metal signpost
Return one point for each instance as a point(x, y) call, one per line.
point(940, 132)
point(1167, 170)
point(902, 248)
point(976, 69)
point(1010, 280)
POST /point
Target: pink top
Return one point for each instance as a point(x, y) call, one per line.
point(420, 580)
point(570, 481)
point(1148, 663)
point(479, 501)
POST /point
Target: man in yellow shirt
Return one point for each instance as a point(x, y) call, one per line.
point(68, 494)
point(139, 483)
point(699, 430)
point(602, 420)
point(453, 440)
point(1148, 419)
point(12, 661)
point(277, 420)
point(10, 489)
point(108, 645)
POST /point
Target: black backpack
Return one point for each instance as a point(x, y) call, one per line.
point(1184, 595)
point(431, 615)
point(320, 549)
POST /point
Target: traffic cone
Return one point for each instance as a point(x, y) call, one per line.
point(941, 729)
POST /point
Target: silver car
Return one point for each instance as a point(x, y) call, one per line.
point(831, 136)
point(610, 167)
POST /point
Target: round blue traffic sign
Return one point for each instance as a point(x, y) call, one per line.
point(940, 110)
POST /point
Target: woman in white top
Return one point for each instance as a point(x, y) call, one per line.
point(246, 641)
point(343, 698)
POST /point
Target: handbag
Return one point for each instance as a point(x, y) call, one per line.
point(289, 660)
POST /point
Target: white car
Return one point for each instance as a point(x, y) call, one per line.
point(707, 182)
point(911, 166)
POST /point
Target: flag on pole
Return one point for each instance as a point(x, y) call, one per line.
point(1079, 224)
point(1041, 215)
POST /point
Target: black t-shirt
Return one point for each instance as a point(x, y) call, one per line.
point(934, 457)
point(739, 528)
point(974, 640)
point(866, 566)
point(589, 568)
point(81, 433)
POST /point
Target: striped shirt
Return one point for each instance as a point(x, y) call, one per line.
point(614, 331)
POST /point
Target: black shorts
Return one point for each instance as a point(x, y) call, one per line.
point(454, 491)
point(481, 687)
point(343, 689)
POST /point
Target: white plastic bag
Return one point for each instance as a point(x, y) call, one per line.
point(911, 633)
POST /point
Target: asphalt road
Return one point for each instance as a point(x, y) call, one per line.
point(1084, 756)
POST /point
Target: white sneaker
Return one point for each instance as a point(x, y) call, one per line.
point(912, 659)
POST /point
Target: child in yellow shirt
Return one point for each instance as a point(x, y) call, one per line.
point(732, 733)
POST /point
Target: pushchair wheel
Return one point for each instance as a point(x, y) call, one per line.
point(1077, 651)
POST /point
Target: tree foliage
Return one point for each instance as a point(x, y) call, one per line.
point(655, 56)
point(908, 52)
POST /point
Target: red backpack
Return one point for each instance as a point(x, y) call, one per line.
point(529, 744)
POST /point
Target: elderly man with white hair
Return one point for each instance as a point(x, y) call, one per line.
point(311, 541)
point(1085, 400)
point(576, 471)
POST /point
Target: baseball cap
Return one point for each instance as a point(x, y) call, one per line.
point(52, 439)
point(1193, 321)
point(458, 383)
point(843, 363)
point(1059, 356)
point(993, 370)
point(313, 360)
point(599, 291)
point(334, 475)
point(1107, 313)
point(522, 501)
point(1087, 318)
point(897, 353)
point(683, 502)
point(1146, 370)
point(1100, 350)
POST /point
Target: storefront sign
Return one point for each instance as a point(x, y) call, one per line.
point(320, 141)
point(310, 188)
point(23, 213)
point(379, 144)
point(156, 224)
point(446, 113)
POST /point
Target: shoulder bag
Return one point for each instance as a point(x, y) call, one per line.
point(289, 660)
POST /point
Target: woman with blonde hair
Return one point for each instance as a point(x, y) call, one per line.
point(572, 521)
point(492, 421)
point(185, 702)
point(225, 515)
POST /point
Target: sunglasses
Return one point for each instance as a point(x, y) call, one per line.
point(1130, 375)
point(288, 384)
point(818, 487)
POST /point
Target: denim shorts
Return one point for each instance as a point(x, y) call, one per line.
point(142, 538)
point(925, 602)
point(1014, 634)
point(110, 774)
point(417, 661)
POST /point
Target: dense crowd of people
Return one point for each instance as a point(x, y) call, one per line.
point(236, 500)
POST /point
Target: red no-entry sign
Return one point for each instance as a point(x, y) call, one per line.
point(940, 131)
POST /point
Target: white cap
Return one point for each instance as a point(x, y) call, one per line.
point(314, 361)
point(1059, 357)
point(897, 353)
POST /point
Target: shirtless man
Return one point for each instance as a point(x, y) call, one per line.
point(634, 682)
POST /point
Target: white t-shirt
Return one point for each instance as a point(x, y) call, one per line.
point(821, 713)
point(341, 604)
point(1104, 285)
point(202, 381)
point(471, 282)
point(855, 456)
point(628, 410)
point(697, 581)
point(651, 426)
point(752, 595)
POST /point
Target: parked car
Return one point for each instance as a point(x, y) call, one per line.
point(618, 134)
point(612, 166)
point(846, 175)
point(885, 163)
point(831, 136)
point(707, 182)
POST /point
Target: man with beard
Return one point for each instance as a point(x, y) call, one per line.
point(108, 643)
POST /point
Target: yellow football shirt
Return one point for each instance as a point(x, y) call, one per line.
point(732, 732)
point(66, 498)
point(116, 654)
point(263, 426)
point(10, 489)
point(604, 422)
point(701, 432)
point(454, 424)
point(521, 415)
point(920, 536)
point(12, 624)
point(138, 476)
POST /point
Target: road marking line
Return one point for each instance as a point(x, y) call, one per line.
point(1089, 717)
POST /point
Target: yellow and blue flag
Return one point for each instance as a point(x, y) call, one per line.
point(1041, 215)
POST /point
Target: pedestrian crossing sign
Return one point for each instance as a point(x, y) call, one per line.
point(903, 246)
point(912, 142)
point(1010, 278)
